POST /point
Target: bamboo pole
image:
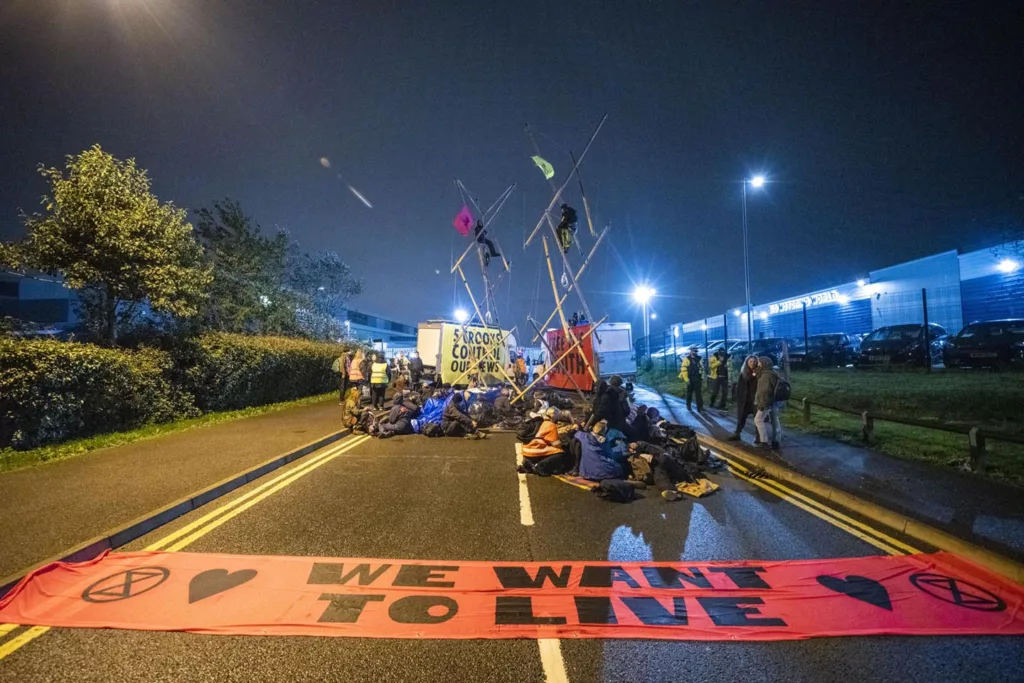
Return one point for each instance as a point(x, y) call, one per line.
point(558, 194)
point(560, 359)
point(586, 204)
point(569, 334)
point(578, 274)
point(548, 347)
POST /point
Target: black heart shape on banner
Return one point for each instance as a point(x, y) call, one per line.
point(859, 587)
point(213, 581)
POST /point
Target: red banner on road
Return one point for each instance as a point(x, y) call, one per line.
point(572, 366)
point(938, 594)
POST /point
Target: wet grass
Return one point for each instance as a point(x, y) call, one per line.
point(11, 459)
point(990, 401)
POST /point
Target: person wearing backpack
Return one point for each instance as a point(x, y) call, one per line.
point(772, 390)
point(746, 391)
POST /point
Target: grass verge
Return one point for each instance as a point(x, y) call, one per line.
point(1005, 461)
point(11, 459)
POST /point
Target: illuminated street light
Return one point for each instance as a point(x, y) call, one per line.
point(1008, 265)
point(461, 316)
point(654, 316)
point(861, 283)
point(757, 182)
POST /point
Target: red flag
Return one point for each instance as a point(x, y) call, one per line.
point(463, 221)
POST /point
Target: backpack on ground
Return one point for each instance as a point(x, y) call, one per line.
point(783, 390)
point(528, 430)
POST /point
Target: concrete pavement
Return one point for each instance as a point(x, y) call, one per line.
point(412, 497)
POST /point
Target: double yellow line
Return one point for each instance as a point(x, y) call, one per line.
point(866, 533)
point(189, 533)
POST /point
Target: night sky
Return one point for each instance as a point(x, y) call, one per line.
point(889, 131)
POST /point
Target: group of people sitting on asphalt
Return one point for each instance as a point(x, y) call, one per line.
point(620, 445)
point(613, 441)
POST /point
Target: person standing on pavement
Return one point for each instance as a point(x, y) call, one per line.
point(341, 366)
point(692, 373)
point(746, 390)
point(415, 369)
point(356, 374)
point(767, 407)
point(719, 377)
point(380, 375)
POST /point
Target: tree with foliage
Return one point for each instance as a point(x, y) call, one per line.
point(268, 285)
point(324, 283)
point(106, 234)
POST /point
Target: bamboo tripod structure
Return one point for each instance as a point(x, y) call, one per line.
point(568, 273)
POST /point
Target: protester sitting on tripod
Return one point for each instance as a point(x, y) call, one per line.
point(567, 227)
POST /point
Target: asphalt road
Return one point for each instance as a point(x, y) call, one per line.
point(446, 499)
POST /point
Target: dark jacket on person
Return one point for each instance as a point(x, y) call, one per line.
point(766, 383)
point(453, 413)
point(404, 410)
point(641, 427)
point(416, 364)
point(502, 406)
point(609, 406)
point(746, 388)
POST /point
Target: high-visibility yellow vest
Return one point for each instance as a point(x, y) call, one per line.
point(379, 373)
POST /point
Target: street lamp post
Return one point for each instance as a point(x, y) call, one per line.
point(757, 182)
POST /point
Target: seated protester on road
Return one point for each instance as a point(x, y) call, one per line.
point(600, 456)
point(399, 419)
point(400, 384)
point(655, 422)
point(455, 422)
point(665, 470)
point(610, 406)
point(545, 454)
point(353, 408)
point(640, 425)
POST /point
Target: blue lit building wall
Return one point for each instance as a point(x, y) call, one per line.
point(992, 285)
point(982, 285)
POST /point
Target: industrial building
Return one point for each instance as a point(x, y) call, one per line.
point(957, 289)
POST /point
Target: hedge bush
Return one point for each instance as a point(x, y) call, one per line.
point(51, 391)
point(232, 371)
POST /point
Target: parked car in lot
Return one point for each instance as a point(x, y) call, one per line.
point(771, 347)
point(988, 344)
point(825, 350)
point(901, 345)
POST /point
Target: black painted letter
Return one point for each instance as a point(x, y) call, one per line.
point(519, 611)
point(345, 608)
point(415, 609)
point(422, 574)
point(727, 612)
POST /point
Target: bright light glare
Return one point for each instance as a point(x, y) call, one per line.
point(737, 312)
point(1008, 265)
point(461, 315)
point(703, 327)
point(643, 294)
point(861, 283)
point(764, 316)
point(757, 182)
point(654, 316)
point(843, 299)
point(675, 331)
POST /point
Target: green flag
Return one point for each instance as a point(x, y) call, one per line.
point(547, 169)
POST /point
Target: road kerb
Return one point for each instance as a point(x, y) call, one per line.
point(876, 513)
point(121, 535)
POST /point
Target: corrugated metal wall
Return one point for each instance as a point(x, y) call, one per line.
point(896, 292)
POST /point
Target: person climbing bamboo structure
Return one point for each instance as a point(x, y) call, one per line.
point(567, 228)
point(481, 238)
